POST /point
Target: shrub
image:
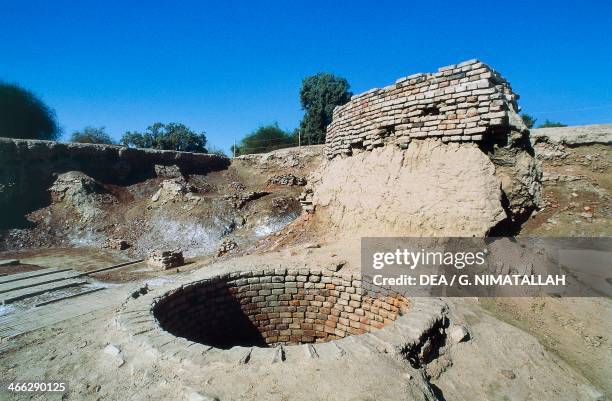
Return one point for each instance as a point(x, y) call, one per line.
point(91, 135)
point(550, 124)
point(528, 120)
point(23, 115)
point(265, 139)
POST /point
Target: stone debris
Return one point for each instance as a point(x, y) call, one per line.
point(287, 179)
point(112, 350)
point(459, 103)
point(166, 259)
point(115, 354)
point(227, 246)
point(117, 244)
point(81, 192)
point(306, 200)
point(335, 265)
point(508, 374)
point(238, 200)
point(171, 171)
point(458, 333)
point(237, 186)
point(172, 189)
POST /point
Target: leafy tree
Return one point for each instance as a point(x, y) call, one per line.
point(265, 139)
point(528, 120)
point(23, 115)
point(172, 136)
point(550, 124)
point(91, 135)
point(319, 95)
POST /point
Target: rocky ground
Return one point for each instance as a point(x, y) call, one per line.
point(253, 198)
point(518, 348)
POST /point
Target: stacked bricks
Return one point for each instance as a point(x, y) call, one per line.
point(277, 306)
point(166, 259)
point(460, 103)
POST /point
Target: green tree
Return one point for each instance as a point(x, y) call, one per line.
point(319, 95)
point(172, 136)
point(265, 139)
point(91, 135)
point(550, 124)
point(528, 120)
point(23, 115)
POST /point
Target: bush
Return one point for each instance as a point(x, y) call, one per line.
point(319, 95)
point(91, 135)
point(25, 116)
point(172, 136)
point(265, 139)
point(528, 120)
point(551, 124)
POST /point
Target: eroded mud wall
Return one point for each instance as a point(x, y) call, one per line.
point(28, 168)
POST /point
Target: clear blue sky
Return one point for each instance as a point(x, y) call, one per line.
point(227, 67)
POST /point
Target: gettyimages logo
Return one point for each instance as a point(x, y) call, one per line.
point(489, 267)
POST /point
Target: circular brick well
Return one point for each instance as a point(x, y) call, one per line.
point(270, 307)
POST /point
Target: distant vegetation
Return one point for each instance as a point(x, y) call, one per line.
point(319, 95)
point(91, 135)
point(23, 115)
point(265, 139)
point(172, 136)
point(528, 120)
point(550, 124)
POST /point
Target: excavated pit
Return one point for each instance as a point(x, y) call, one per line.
point(271, 307)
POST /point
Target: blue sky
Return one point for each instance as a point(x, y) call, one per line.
point(227, 67)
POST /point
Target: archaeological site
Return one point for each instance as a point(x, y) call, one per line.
point(146, 274)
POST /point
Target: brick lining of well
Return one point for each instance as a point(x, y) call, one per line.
point(280, 306)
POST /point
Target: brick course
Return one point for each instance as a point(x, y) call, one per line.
point(230, 310)
point(459, 103)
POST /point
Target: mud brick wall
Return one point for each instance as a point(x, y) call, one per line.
point(460, 102)
point(281, 306)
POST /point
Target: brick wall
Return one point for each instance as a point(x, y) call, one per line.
point(262, 308)
point(460, 102)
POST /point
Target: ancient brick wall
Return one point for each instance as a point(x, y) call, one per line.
point(460, 102)
point(280, 306)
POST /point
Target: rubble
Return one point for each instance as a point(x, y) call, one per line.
point(172, 190)
point(227, 246)
point(117, 244)
point(287, 179)
point(166, 259)
point(238, 200)
point(171, 171)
